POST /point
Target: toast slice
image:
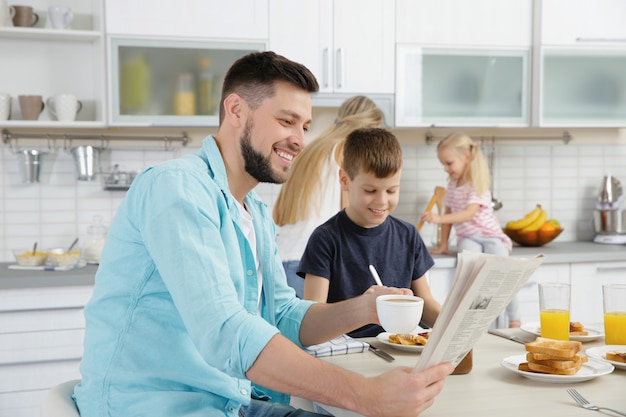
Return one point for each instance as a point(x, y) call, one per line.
point(616, 355)
point(562, 349)
point(576, 328)
point(575, 362)
point(544, 369)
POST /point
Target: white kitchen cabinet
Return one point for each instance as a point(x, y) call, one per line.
point(347, 44)
point(456, 23)
point(580, 22)
point(440, 282)
point(468, 87)
point(144, 88)
point(207, 19)
point(583, 86)
point(587, 280)
point(40, 60)
point(41, 343)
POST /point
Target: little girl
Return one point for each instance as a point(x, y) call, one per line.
point(468, 205)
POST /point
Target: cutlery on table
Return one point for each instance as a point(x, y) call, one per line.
point(497, 332)
point(381, 353)
point(586, 404)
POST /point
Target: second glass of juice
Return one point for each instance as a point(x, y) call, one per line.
point(614, 296)
point(554, 305)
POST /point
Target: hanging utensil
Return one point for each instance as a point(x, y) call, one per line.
point(34, 248)
point(495, 203)
point(72, 245)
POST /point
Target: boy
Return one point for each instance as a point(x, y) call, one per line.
point(337, 257)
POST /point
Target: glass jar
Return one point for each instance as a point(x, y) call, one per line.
point(96, 236)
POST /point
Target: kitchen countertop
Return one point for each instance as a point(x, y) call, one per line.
point(556, 253)
point(566, 252)
point(23, 279)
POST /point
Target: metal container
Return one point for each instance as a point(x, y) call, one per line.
point(610, 194)
point(87, 161)
point(30, 161)
point(609, 222)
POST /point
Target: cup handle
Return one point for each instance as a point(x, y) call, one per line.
point(80, 106)
point(35, 19)
point(50, 104)
point(12, 12)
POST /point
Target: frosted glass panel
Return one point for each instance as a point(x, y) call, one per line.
point(586, 89)
point(170, 83)
point(472, 86)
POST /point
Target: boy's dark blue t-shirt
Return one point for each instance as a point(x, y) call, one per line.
point(342, 251)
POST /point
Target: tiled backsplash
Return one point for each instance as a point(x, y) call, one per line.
point(563, 178)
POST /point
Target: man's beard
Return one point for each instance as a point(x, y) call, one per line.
point(255, 163)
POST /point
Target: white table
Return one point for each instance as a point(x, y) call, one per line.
point(491, 390)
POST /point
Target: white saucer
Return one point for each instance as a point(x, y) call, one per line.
point(535, 328)
point(599, 352)
point(593, 368)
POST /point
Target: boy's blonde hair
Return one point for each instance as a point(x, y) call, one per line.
point(476, 172)
point(372, 151)
point(295, 201)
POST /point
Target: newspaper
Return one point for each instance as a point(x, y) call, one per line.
point(484, 285)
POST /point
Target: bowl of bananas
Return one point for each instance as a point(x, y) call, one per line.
point(534, 229)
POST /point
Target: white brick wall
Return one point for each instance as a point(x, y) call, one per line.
point(563, 178)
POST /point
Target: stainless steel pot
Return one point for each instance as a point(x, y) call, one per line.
point(30, 161)
point(609, 222)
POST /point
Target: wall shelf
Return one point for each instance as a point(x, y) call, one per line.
point(566, 137)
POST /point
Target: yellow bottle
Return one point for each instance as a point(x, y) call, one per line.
point(185, 97)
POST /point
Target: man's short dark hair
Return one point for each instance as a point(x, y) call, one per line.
point(253, 77)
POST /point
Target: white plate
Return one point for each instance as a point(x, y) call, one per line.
point(46, 267)
point(535, 328)
point(591, 369)
point(384, 338)
point(599, 352)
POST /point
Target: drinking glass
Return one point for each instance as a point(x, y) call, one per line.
point(614, 296)
point(554, 305)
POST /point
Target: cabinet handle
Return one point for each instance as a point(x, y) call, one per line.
point(601, 269)
point(326, 67)
point(602, 40)
point(339, 67)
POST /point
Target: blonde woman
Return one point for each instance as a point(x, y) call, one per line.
point(312, 193)
point(468, 205)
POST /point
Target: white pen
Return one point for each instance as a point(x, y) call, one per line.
point(375, 275)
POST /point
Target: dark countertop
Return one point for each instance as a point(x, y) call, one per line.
point(21, 279)
point(555, 253)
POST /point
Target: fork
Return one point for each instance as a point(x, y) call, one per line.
point(586, 404)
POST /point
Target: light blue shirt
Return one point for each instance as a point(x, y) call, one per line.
point(173, 324)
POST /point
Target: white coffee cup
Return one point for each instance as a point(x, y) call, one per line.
point(5, 106)
point(6, 13)
point(64, 107)
point(60, 17)
point(399, 313)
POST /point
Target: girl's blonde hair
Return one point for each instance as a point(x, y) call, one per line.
point(295, 200)
point(476, 172)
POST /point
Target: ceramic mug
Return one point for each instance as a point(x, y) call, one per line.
point(6, 13)
point(24, 16)
point(60, 17)
point(64, 107)
point(31, 106)
point(399, 313)
point(5, 106)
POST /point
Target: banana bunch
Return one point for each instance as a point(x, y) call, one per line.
point(531, 222)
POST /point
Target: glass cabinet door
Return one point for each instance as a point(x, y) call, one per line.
point(583, 87)
point(446, 87)
point(170, 83)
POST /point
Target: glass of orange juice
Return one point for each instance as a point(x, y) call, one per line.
point(554, 300)
point(614, 296)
